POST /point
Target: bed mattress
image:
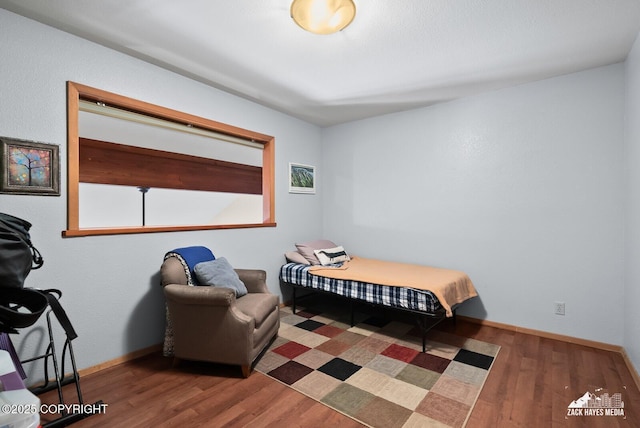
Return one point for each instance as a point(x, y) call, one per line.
point(397, 297)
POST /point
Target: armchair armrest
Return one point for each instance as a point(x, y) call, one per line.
point(205, 296)
point(254, 279)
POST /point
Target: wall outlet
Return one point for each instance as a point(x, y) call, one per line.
point(559, 308)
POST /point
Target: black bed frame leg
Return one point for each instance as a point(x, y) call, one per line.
point(294, 300)
point(424, 341)
point(426, 326)
point(351, 305)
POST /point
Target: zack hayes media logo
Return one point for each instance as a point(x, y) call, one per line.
point(591, 404)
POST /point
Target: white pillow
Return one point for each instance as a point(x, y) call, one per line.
point(328, 256)
point(307, 248)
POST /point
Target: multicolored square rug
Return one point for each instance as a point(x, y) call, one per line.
point(375, 372)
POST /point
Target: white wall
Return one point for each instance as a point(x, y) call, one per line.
point(521, 188)
point(110, 283)
point(632, 272)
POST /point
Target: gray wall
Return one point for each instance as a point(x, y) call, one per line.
point(521, 188)
point(110, 283)
point(632, 272)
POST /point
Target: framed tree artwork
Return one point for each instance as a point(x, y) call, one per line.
point(302, 178)
point(29, 168)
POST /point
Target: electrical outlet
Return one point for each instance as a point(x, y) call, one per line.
point(559, 308)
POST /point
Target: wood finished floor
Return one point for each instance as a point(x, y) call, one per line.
point(532, 382)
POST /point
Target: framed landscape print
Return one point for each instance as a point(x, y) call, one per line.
point(29, 168)
point(302, 178)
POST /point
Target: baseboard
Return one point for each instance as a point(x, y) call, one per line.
point(631, 367)
point(123, 359)
point(545, 334)
point(568, 339)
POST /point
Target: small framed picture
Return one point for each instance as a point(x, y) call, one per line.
point(29, 168)
point(302, 178)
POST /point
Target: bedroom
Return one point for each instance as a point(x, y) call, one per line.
point(532, 190)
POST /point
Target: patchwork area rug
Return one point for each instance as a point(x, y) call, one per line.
point(375, 372)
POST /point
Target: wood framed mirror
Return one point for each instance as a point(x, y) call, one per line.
point(135, 167)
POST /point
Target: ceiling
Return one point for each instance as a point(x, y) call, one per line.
point(396, 55)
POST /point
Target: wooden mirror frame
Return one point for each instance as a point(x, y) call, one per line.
point(77, 92)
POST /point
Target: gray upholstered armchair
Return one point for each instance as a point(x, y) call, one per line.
point(211, 324)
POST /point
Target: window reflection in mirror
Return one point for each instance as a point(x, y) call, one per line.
point(135, 167)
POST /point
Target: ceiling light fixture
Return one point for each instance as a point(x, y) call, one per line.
point(323, 16)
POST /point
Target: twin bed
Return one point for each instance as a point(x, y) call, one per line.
point(431, 294)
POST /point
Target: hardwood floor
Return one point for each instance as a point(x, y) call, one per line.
point(534, 379)
point(531, 384)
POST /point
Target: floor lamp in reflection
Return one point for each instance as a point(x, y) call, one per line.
point(144, 191)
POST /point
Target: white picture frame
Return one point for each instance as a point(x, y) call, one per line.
point(302, 178)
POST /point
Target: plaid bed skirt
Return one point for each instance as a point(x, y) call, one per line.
point(398, 297)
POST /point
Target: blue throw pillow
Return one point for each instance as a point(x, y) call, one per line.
point(220, 273)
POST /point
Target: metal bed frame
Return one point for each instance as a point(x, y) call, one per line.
point(425, 320)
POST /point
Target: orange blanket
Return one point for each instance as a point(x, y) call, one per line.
point(449, 286)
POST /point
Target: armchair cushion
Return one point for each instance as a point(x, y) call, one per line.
point(219, 273)
point(257, 306)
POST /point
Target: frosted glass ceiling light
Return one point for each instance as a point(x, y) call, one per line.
point(323, 16)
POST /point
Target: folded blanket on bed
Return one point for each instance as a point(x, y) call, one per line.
point(449, 286)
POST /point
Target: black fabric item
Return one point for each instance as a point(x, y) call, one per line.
point(14, 301)
point(60, 313)
point(17, 255)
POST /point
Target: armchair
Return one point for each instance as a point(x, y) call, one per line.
point(211, 324)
